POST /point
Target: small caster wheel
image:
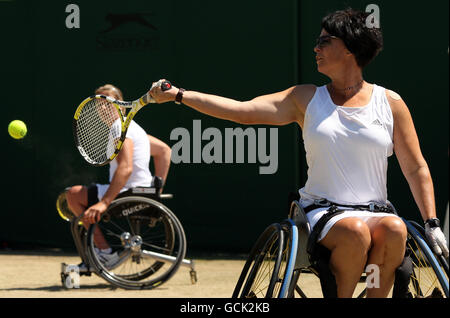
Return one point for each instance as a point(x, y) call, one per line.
point(193, 276)
point(64, 277)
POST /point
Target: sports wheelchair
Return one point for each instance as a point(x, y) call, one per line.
point(282, 255)
point(147, 240)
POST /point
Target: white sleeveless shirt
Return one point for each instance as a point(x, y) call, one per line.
point(141, 175)
point(347, 149)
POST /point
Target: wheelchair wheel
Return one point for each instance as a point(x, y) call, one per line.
point(288, 277)
point(261, 276)
point(429, 278)
point(290, 283)
point(440, 258)
point(147, 240)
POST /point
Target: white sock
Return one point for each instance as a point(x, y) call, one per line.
point(105, 251)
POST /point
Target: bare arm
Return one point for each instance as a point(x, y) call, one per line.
point(410, 158)
point(161, 153)
point(123, 172)
point(273, 109)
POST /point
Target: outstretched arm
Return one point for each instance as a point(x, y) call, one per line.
point(279, 108)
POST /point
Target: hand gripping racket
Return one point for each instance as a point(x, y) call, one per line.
point(100, 128)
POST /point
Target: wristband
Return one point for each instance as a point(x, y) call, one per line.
point(433, 222)
point(179, 96)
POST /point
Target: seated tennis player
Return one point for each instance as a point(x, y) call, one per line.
point(129, 169)
point(350, 128)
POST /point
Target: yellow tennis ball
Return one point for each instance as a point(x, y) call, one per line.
point(17, 129)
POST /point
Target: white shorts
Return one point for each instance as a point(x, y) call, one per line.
point(314, 215)
point(102, 188)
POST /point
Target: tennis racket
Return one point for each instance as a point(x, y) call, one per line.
point(63, 208)
point(100, 128)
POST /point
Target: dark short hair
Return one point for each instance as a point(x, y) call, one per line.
point(365, 42)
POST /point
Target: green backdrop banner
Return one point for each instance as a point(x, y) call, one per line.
point(55, 53)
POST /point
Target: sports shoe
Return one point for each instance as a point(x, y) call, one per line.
point(109, 260)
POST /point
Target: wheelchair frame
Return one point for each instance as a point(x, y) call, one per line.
point(83, 239)
point(295, 231)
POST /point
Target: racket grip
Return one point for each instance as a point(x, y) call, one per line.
point(165, 86)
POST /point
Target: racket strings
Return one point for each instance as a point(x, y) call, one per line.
point(98, 130)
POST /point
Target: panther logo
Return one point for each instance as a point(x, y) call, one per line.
point(118, 19)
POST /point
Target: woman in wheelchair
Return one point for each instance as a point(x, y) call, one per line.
point(350, 127)
point(129, 169)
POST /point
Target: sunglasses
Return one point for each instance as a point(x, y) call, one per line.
point(324, 40)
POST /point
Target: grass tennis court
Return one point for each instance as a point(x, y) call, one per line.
point(37, 274)
point(28, 274)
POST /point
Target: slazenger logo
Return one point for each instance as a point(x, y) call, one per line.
point(134, 209)
point(128, 31)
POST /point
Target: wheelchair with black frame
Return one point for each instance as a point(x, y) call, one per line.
point(286, 252)
point(147, 240)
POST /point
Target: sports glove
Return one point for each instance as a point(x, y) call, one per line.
point(436, 237)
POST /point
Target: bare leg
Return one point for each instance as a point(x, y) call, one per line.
point(349, 242)
point(388, 250)
point(77, 200)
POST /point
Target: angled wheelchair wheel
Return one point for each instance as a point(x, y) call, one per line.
point(288, 275)
point(267, 265)
point(440, 258)
point(260, 272)
point(429, 278)
point(147, 241)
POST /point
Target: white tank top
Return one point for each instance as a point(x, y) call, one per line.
point(141, 175)
point(347, 149)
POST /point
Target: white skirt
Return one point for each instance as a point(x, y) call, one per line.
point(314, 215)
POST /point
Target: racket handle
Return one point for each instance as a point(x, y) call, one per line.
point(165, 86)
